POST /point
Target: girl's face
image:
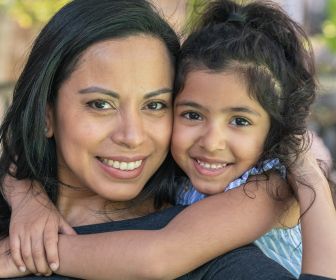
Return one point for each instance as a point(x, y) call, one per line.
point(112, 119)
point(219, 131)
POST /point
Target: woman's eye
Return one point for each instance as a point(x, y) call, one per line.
point(156, 106)
point(192, 116)
point(100, 105)
point(240, 122)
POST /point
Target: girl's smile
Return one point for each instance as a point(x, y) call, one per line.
point(219, 130)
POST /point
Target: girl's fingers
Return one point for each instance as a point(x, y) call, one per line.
point(26, 252)
point(15, 249)
point(65, 228)
point(50, 239)
point(39, 256)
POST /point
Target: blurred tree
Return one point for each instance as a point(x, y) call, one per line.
point(29, 13)
point(329, 26)
point(194, 9)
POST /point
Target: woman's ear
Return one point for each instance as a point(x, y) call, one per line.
point(49, 122)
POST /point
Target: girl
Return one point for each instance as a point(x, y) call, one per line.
point(239, 123)
point(245, 84)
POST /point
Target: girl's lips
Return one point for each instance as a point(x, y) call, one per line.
point(121, 169)
point(211, 165)
point(210, 169)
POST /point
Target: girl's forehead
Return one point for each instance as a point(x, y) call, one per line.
point(206, 79)
point(217, 92)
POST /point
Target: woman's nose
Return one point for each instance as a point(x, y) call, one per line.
point(130, 132)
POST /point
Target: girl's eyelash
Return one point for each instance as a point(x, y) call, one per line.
point(242, 121)
point(191, 115)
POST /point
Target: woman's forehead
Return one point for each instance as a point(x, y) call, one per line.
point(128, 65)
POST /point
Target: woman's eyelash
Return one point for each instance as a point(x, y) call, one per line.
point(156, 105)
point(100, 105)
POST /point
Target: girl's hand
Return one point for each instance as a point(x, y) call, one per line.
point(8, 268)
point(307, 176)
point(312, 165)
point(34, 227)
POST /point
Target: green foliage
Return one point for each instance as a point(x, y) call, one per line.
point(194, 9)
point(31, 12)
point(329, 26)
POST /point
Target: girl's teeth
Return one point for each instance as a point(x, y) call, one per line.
point(122, 165)
point(212, 165)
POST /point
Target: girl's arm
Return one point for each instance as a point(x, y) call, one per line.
point(318, 221)
point(34, 226)
point(203, 231)
point(211, 227)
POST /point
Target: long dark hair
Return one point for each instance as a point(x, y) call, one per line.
point(53, 58)
point(272, 55)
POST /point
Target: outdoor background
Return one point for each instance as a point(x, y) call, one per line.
point(21, 20)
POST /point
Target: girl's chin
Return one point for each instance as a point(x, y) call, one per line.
point(209, 188)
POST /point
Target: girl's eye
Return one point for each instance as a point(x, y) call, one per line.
point(100, 105)
point(156, 106)
point(240, 122)
point(192, 116)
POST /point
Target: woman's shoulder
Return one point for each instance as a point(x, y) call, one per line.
point(156, 220)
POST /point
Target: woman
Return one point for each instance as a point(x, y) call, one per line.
point(108, 90)
point(36, 138)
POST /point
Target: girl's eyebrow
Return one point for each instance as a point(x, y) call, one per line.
point(190, 104)
point(243, 109)
point(96, 89)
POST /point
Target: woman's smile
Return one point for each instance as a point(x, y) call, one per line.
point(122, 169)
point(107, 117)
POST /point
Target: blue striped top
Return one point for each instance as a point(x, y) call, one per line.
point(283, 245)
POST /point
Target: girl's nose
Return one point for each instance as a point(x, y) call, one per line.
point(213, 139)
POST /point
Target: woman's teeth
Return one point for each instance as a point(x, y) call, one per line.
point(122, 165)
point(211, 165)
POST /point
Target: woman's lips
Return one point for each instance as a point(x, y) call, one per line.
point(122, 165)
point(122, 169)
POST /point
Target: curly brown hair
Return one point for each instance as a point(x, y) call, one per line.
point(271, 53)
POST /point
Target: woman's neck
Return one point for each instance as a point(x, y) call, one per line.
point(83, 207)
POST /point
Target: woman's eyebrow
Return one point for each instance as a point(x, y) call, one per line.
point(95, 89)
point(99, 90)
point(158, 92)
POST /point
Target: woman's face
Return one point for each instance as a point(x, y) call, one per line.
point(112, 119)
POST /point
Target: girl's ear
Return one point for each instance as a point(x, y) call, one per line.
point(49, 122)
